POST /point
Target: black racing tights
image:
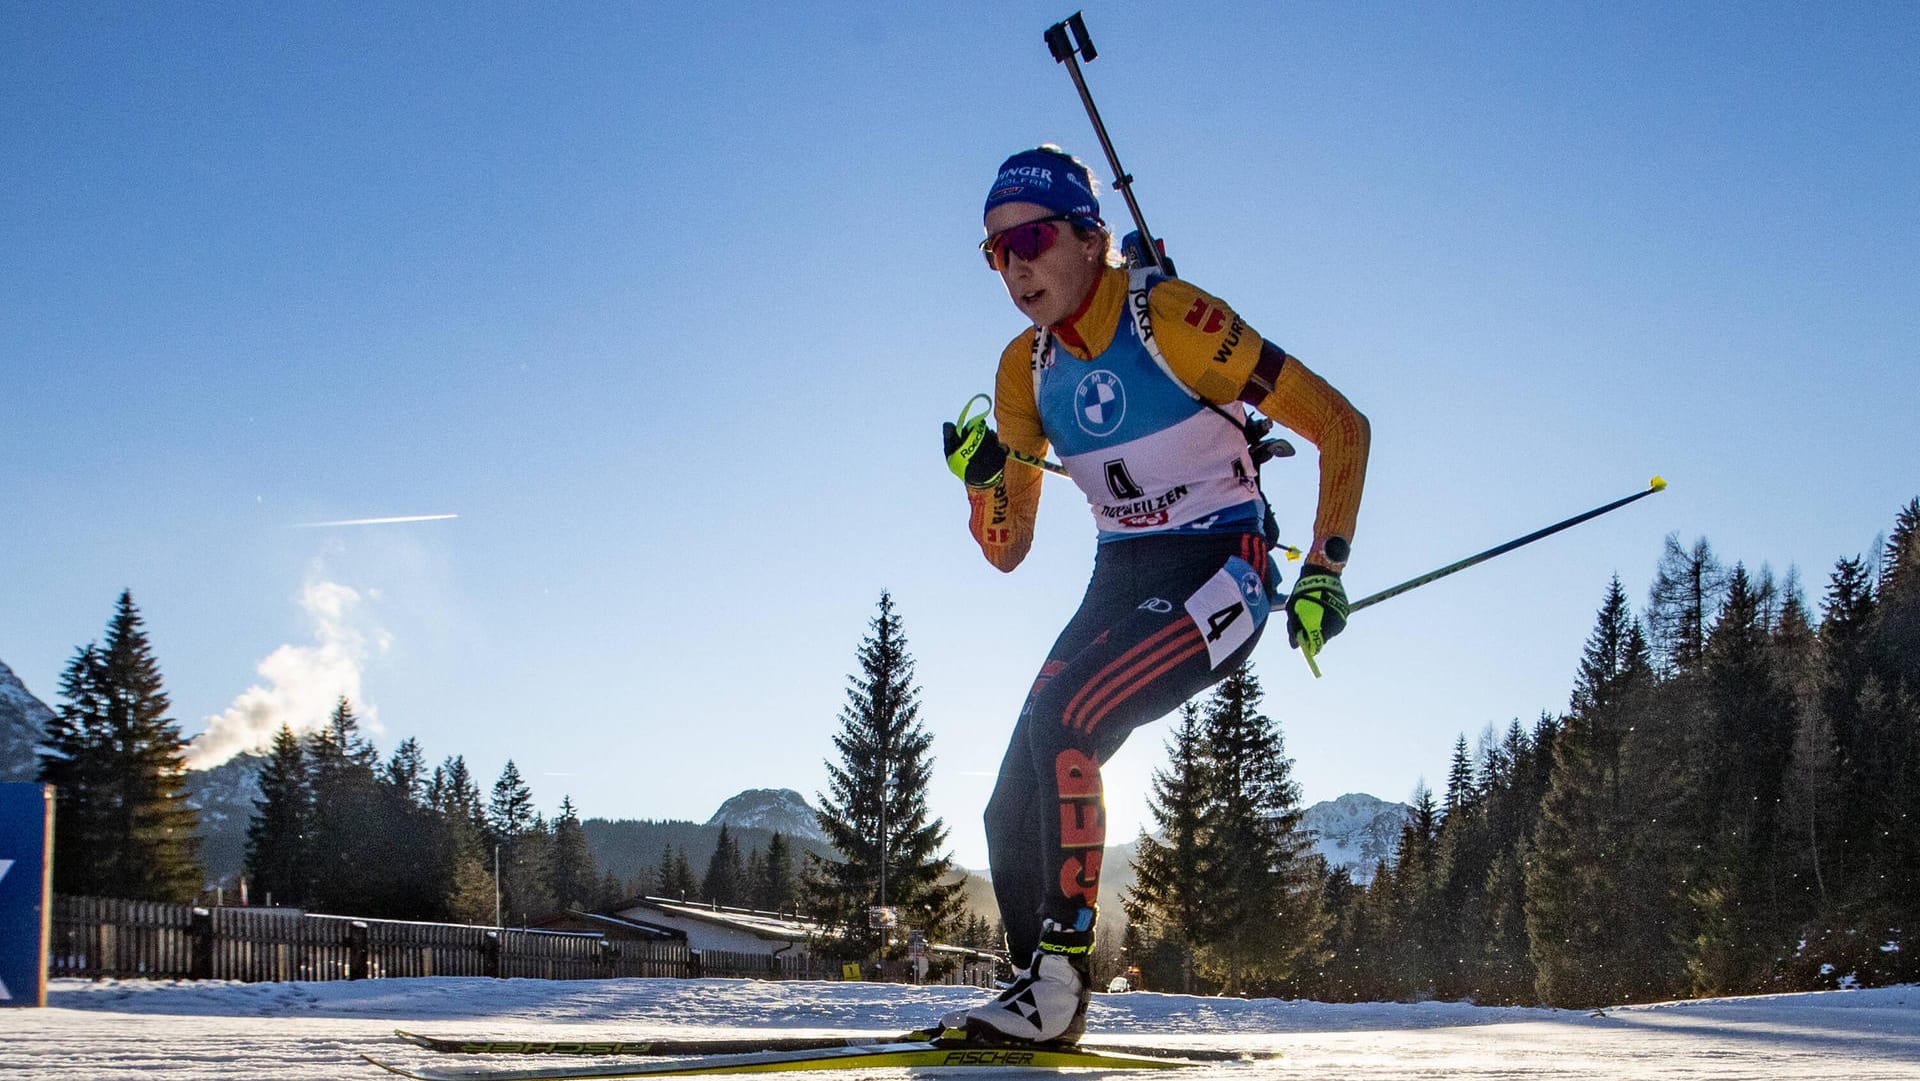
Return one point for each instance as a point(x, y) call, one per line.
point(1165, 617)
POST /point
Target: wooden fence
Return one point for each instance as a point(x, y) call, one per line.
point(103, 937)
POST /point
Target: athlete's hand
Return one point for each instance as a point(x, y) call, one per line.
point(1316, 610)
point(974, 453)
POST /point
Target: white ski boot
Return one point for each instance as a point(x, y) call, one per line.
point(1047, 1001)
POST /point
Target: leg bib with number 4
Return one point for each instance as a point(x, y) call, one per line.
point(1228, 608)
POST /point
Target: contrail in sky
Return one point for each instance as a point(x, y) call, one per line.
point(377, 521)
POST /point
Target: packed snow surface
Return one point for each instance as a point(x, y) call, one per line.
point(123, 1030)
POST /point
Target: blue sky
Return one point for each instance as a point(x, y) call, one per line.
point(667, 303)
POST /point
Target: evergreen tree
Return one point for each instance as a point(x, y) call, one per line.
point(526, 846)
point(1750, 744)
point(613, 893)
point(775, 891)
point(876, 814)
point(1896, 630)
point(470, 883)
point(1414, 898)
point(1847, 616)
point(406, 772)
point(676, 875)
point(463, 855)
point(1460, 778)
point(576, 881)
point(1266, 926)
point(457, 795)
point(1168, 894)
point(1594, 875)
point(510, 812)
point(1230, 889)
point(1813, 797)
point(126, 829)
point(277, 861)
point(753, 880)
point(725, 873)
point(75, 758)
point(349, 834)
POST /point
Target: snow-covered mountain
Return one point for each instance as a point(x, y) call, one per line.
point(777, 810)
point(224, 797)
point(1356, 831)
point(23, 720)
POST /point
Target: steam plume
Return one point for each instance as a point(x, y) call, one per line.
point(303, 683)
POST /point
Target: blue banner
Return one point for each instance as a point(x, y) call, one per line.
point(26, 892)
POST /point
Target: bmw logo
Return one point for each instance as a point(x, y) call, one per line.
point(1100, 403)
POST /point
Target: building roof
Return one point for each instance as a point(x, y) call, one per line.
point(768, 926)
point(618, 927)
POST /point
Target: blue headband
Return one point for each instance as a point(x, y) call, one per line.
point(1046, 178)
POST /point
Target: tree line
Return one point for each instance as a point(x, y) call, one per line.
point(1727, 806)
point(338, 830)
point(335, 828)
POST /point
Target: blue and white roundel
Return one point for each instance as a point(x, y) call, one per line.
point(1100, 403)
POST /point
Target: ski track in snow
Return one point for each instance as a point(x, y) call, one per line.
point(180, 1031)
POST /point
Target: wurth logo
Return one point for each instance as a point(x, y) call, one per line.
point(1206, 317)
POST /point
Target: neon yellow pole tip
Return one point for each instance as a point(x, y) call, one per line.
point(1658, 484)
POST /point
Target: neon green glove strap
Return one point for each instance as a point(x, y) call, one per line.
point(973, 454)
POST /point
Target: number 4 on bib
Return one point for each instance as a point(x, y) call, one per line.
point(1228, 609)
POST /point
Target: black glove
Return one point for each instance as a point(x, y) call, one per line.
point(974, 453)
point(1317, 609)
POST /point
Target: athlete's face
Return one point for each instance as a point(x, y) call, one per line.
point(1048, 287)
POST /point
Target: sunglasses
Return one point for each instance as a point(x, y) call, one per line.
point(1026, 240)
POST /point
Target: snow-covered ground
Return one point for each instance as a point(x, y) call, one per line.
point(120, 1031)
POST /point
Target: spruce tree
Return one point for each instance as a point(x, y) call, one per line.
point(1896, 629)
point(725, 873)
point(1169, 893)
point(510, 812)
point(575, 879)
point(75, 758)
point(1593, 872)
point(458, 795)
point(613, 893)
point(1266, 927)
point(1416, 897)
point(405, 772)
point(349, 875)
point(754, 880)
point(1749, 746)
point(278, 862)
point(525, 848)
point(875, 813)
point(470, 884)
point(676, 875)
point(777, 881)
point(126, 829)
point(1847, 615)
point(1460, 779)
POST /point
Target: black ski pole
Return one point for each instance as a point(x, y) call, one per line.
point(1654, 485)
point(1069, 53)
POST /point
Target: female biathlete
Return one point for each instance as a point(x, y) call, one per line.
point(1140, 383)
